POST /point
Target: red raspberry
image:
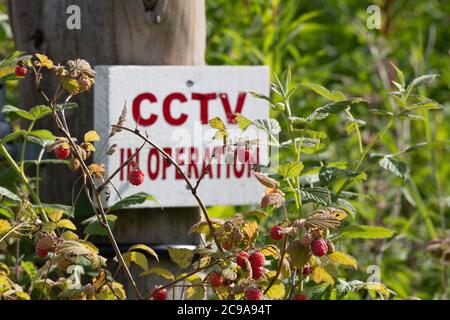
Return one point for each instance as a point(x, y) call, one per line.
point(257, 259)
point(244, 155)
point(253, 294)
point(306, 269)
point(301, 296)
point(159, 294)
point(276, 233)
point(215, 280)
point(62, 153)
point(240, 259)
point(136, 175)
point(257, 272)
point(21, 71)
point(41, 252)
point(319, 247)
point(227, 246)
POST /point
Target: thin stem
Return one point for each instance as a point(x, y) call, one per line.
point(24, 145)
point(185, 177)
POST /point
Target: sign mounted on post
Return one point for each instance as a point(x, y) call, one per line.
point(173, 105)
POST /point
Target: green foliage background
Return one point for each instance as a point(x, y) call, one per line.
point(327, 42)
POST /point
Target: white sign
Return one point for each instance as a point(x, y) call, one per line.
point(173, 104)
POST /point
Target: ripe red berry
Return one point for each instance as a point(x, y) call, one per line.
point(240, 259)
point(307, 269)
point(301, 296)
point(62, 153)
point(41, 252)
point(276, 233)
point(159, 294)
point(257, 259)
point(21, 71)
point(257, 272)
point(215, 279)
point(253, 294)
point(244, 155)
point(227, 246)
point(319, 247)
point(136, 175)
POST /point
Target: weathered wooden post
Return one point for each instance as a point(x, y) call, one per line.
point(113, 32)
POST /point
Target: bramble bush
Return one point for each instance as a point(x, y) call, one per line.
point(307, 199)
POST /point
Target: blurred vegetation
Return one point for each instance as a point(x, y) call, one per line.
point(327, 42)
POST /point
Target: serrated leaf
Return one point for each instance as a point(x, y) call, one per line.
point(181, 256)
point(366, 232)
point(291, 169)
point(229, 274)
point(420, 80)
point(334, 108)
point(341, 258)
point(319, 275)
point(322, 220)
point(166, 274)
point(397, 167)
point(44, 60)
point(40, 111)
point(242, 121)
point(318, 195)
point(19, 112)
point(377, 287)
point(66, 223)
point(55, 215)
point(271, 126)
point(270, 251)
point(195, 293)
point(143, 247)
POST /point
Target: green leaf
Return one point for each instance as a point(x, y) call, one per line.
point(242, 121)
point(260, 96)
point(420, 80)
point(400, 76)
point(136, 198)
point(366, 232)
point(324, 92)
point(319, 195)
point(66, 106)
point(40, 111)
point(397, 167)
point(291, 169)
point(143, 247)
point(43, 134)
point(8, 194)
point(55, 215)
point(94, 228)
point(334, 108)
point(195, 293)
point(16, 111)
point(181, 256)
point(135, 257)
point(12, 136)
point(271, 126)
point(6, 211)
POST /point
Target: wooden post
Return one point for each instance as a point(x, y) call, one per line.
point(113, 32)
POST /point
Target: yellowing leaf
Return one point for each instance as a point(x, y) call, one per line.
point(44, 60)
point(202, 226)
point(145, 248)
point(160, 272)
point(250, 229)
point(270, 251)
point(320, 275)
point(341, 258)
point(277, 291)
point(181, 256)
point(100, 280)
point(66, 223)
point(195, 293)
point(5, 226)
point(217, 123)
point(71, 85)
point(136, 257)
point(56, 215)
point(377, 287)
point(69, 235)
point(91, 136)
point(97, 170)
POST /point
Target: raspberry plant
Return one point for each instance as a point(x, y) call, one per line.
point(307, 204)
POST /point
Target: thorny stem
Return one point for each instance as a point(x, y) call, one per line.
point(185, 177)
